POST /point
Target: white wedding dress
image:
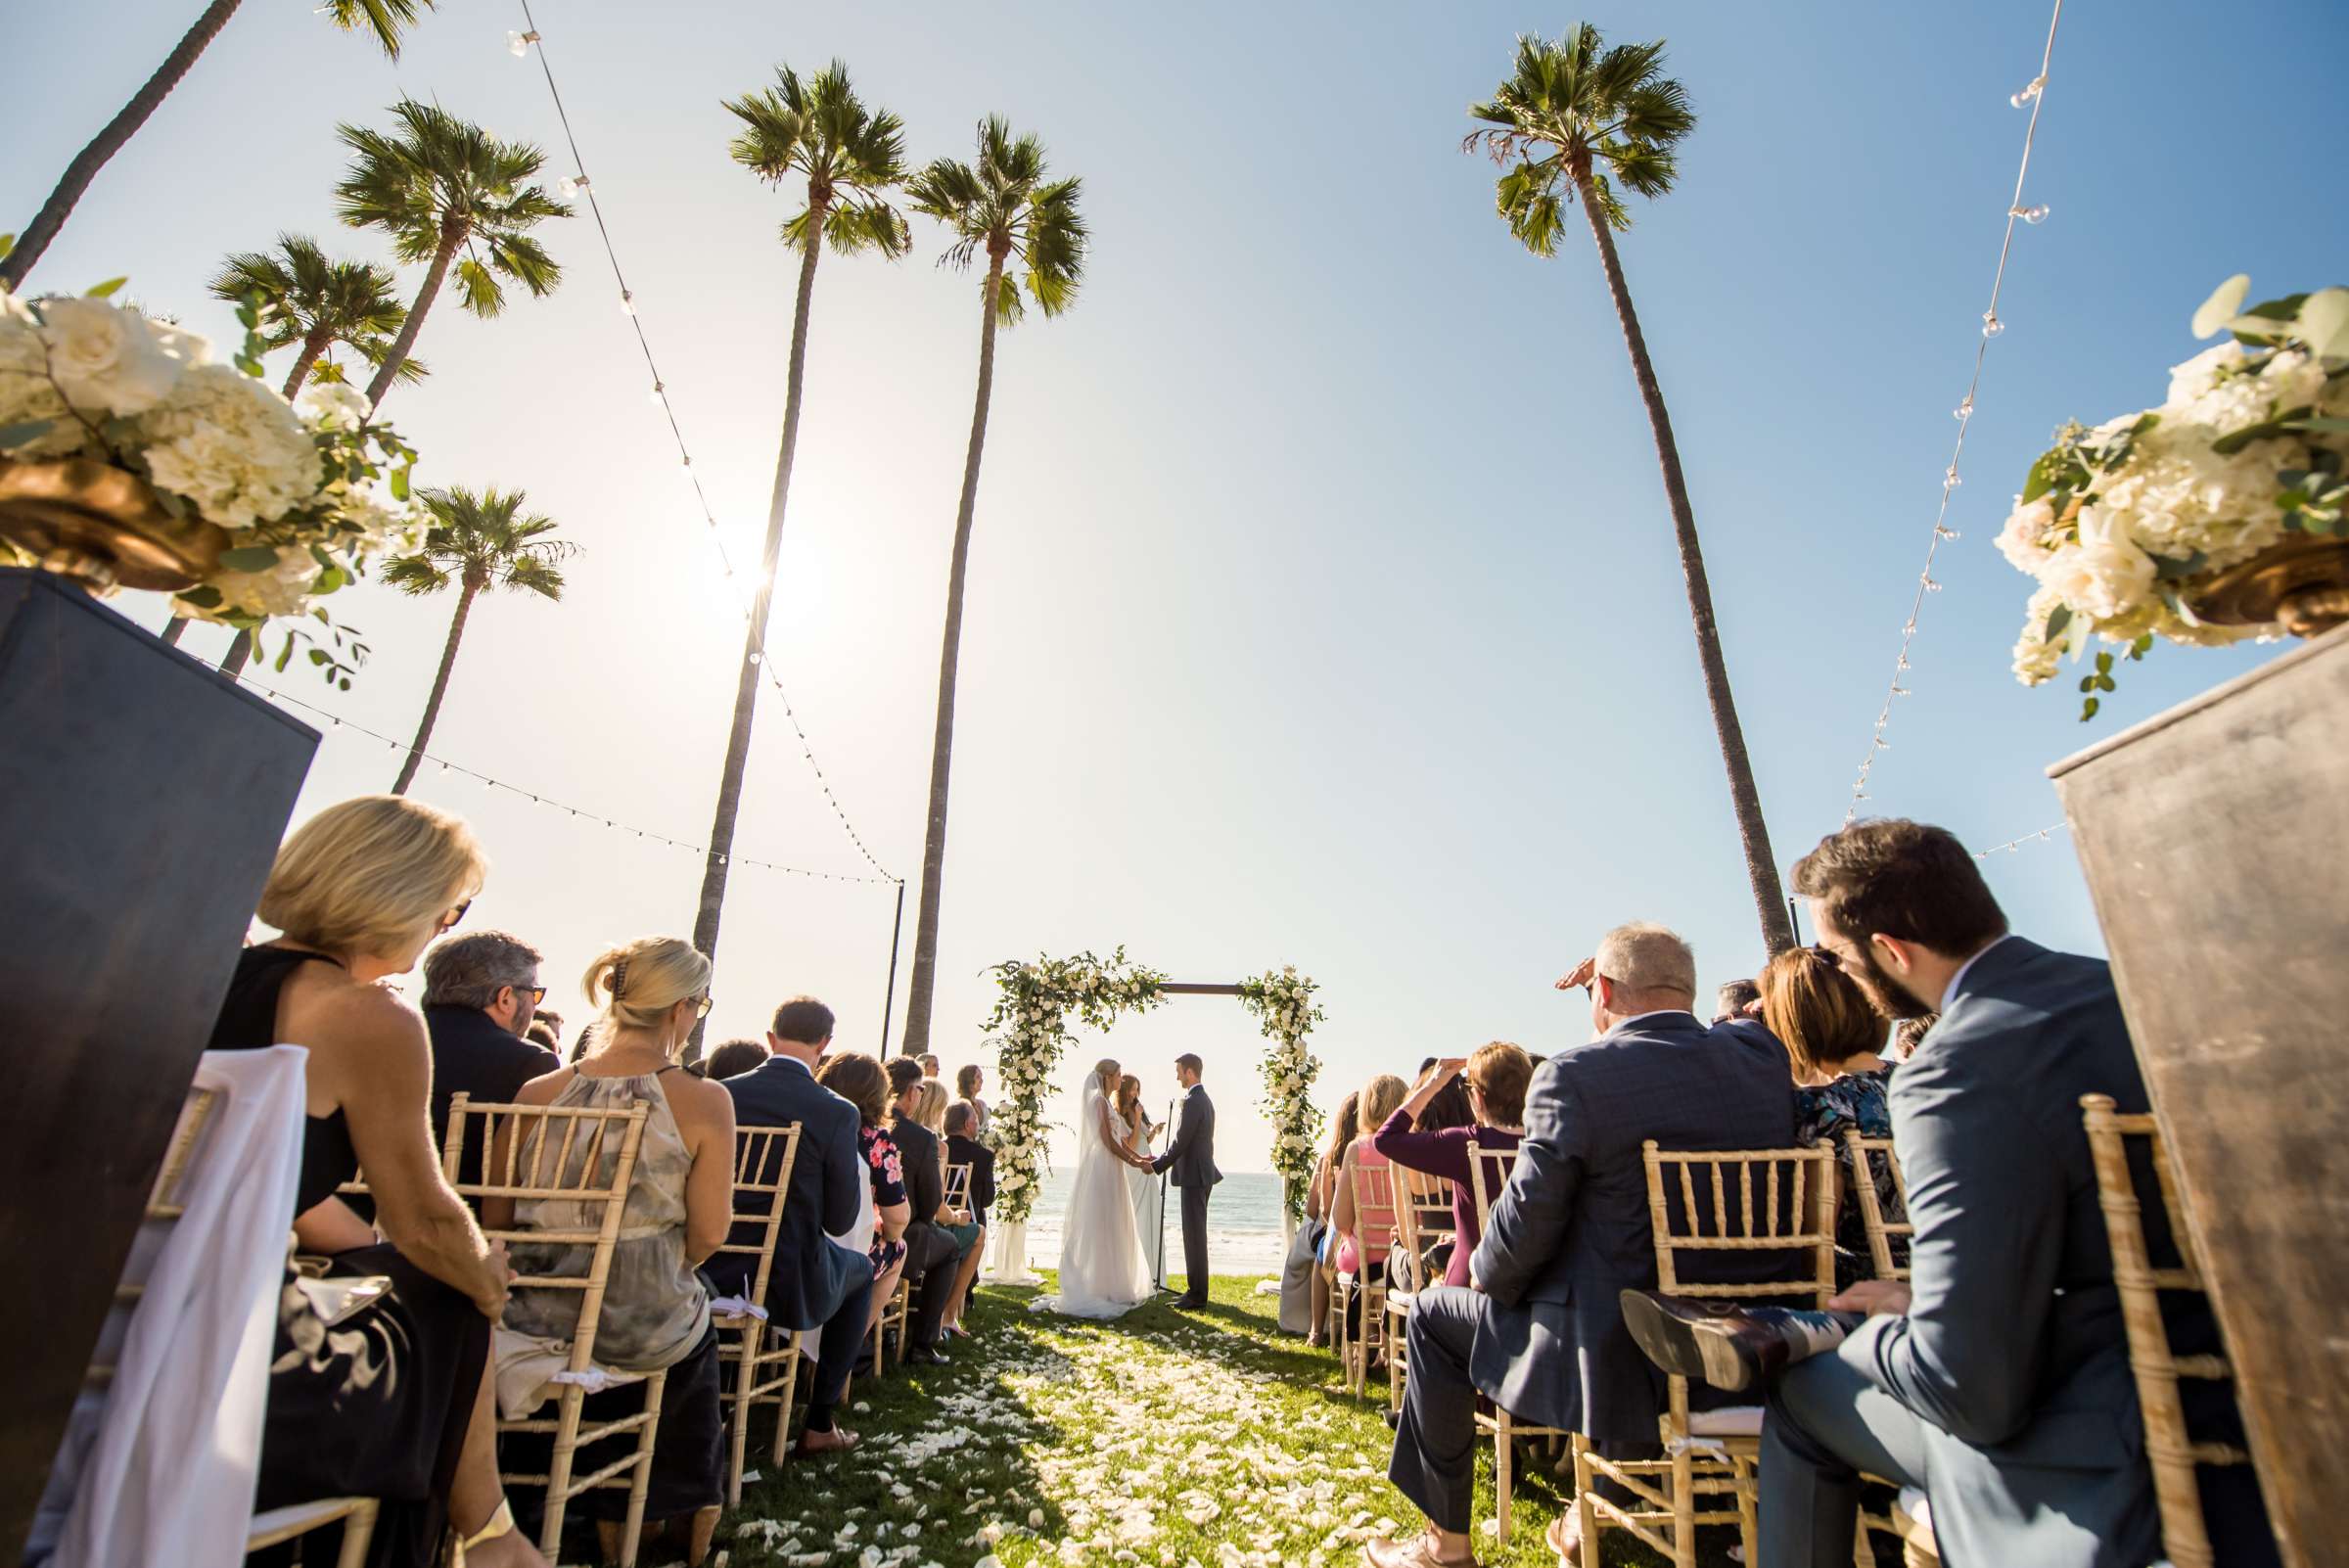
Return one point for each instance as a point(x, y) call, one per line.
point(1104, 1273)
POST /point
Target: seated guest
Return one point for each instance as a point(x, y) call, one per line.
point(1364, 1236)
point(1998, 1377)
point(934, 1253)
point(861, 1081)
point(1736, 999)
point(1320, 1205)
point(1537, 1330)
point(680, 1202)
point(733, 1058)
point(481, 991)
point(396, 1401)
point(1497, 1076)
point(822, 1276)
point(968, 1080)
point(547, 1036)
point(963, 1149)
point(1833, 1033)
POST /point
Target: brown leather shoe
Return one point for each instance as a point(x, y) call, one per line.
point(1708, 1341)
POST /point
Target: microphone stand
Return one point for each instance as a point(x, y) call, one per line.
point(1159, 1273)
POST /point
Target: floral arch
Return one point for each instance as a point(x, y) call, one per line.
point(1031, 1028)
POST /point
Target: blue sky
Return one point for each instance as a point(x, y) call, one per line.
point(1323, 607)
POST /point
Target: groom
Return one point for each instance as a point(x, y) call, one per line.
point(1192, 1159)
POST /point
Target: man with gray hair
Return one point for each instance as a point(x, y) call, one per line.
point(1539, 1328)
point(481, 991)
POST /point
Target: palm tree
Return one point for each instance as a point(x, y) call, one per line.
point(444, 188)
point(1574, 121)
point(475, 541)
point(815, 130)
point(1004, 208)
point(382, 17)
point(310, 302)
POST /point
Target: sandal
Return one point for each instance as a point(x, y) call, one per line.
point(502, 1523)
point(843, 1440)
point(1417, 1552)
point(1555, 1538)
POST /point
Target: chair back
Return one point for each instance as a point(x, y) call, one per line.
point(1742, 1201)
point(1865, 1154)
point(958, 1190)
point(164, 1206)
point(2169, 1447)
point(762, 1160)
point(1373, 1212)
point(1489, 1172)
point(1422, 1218)
point(581, 1156)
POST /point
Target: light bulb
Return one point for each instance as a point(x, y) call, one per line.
point(1948, 477)
point(1965, 409)
point(654, 396)
point(2029, 215)
point(571, 185)
point(1942, 531)
point(628, 303)
point(518, 44)
point(758, 659)
point(1931, 586)
point(2029, 91)
point(1992, 326)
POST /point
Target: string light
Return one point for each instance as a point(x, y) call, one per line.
point(2033, 94)
point(2015, 846)
point(336, 722)
point(520, 42)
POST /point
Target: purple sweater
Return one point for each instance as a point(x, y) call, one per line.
point(1445, 1154)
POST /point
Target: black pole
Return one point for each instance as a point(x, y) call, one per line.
point(1159, 1274)
point(888, 998)
point(1794, 920)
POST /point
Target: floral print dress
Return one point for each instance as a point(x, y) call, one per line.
point(888, 1177)
point(1822, 1115)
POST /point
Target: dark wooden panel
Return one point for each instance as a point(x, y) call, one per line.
point(142, 796)
point(2214, 839)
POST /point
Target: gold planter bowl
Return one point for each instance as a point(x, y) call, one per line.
point(103, 528)
point(2301, 584)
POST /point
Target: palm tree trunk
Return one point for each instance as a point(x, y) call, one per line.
point(107, 143)
point(432, 703)
point(942, 742)
point(1761, 868)
point(397, 356)
point(312, 348)
point(720, 854)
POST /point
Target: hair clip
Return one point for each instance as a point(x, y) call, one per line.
point(619, 976)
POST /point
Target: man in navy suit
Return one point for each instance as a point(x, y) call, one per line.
point(1539, 1330)
point(1996, 1379)
point(822, 1276)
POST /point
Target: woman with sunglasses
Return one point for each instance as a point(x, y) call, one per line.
point(656, 1312)
point(383, 1396)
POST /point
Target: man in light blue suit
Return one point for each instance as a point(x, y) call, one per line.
point(1997, 1378)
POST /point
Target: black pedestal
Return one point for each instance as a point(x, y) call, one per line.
point(142, 798)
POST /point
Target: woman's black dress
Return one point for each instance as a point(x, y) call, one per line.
point(376, 1406)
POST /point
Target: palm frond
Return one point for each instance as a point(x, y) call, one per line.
point(417, 575)
point(382, 17)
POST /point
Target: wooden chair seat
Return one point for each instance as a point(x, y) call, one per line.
point(281, 1525)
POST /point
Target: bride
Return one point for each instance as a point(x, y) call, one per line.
point(1103, 1270)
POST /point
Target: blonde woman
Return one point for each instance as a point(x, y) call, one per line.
point(394, 1403)
point(656, 1312)
point(1363, 1235)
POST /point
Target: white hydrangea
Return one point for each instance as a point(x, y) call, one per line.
point(282, 590)
point(332, 405)
point(232, 447)
point(109, 360)
point(26, 394)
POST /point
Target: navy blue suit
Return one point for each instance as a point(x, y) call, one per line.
point(813, 1283)
point(2004, 1390)
point(1541, 1334)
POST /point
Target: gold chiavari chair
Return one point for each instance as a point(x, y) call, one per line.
point(1491, 1170)
point(1365, 1289)
point(1865, 1152)
point(764, 1356)
point(1422, 1218)
point(1733, 1201)
point(581, 1156)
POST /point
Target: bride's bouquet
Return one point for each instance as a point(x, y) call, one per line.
point(2132, 526)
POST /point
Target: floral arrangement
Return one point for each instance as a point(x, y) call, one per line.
point(1031, 1030)
point(296, 491)
point(1284, 1003)
point(2125, 524)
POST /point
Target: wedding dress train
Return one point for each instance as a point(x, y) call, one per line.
point(1104, 1273)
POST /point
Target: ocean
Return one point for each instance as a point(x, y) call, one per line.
point(1243, 1225)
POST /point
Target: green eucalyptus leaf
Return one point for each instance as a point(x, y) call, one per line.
point(2041, 478)
point(2224, 301)
point(2324, 323)
point(30, 430)
point(103, 291)
point(2170, 569)
point(2105, 683)
point(2088, 684)
point(204, 597)
point(399, 483)
point(2058, 619)
point(284, 654)
point(2103, 663)
point(249, 558)
point(2088, 709)
point(2142, 647)
point(8, 243)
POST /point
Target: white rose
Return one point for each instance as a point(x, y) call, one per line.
point(2196, 377)
point(2104, 573)
point(2035, 657)
point(282, 590)
point(106, 358)
point(2292, 379)
point(2022, 540)
point(27, 397)
point(331, 405)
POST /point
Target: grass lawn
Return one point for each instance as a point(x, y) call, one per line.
point(1166, 1438)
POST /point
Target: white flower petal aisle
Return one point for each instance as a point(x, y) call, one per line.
point(1164, 1440)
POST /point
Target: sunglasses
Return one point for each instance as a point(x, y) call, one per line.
point(449, 921)
point(702, 1009)
point(536, 993)
point(1826, 955)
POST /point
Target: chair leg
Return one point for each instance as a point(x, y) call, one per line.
point(558, 1471)
point(791, 1382)
point(739, 1439)
point(1684, 1509)
point(358, 1529)
point(632, 1531)
point(1585, 1489)
point(1749, 1491)
point(1504, 1457)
